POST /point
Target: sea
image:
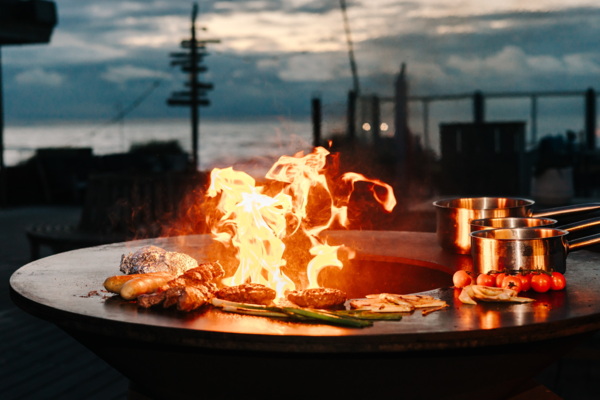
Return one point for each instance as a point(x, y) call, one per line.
point(247, 145)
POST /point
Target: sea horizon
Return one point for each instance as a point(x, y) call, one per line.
point(248, 142)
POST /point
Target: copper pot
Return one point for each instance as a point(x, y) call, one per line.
point(454, 216)
point(512, 222)
point(524, 248)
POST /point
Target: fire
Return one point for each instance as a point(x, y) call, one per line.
point(259, 220)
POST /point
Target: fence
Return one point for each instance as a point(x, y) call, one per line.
point(370, 117)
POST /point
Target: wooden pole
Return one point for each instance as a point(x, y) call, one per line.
point(3, 184)
point(590, 119)
point(316, 120)
point(195, 112)
point(478, 107)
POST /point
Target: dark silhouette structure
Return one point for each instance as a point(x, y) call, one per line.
point(190, 62)
point(21, 22)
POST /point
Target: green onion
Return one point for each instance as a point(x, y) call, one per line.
point(292, 313)
point(372, 315)
point(328, 317)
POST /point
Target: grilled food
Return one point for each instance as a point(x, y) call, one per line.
point(155, 259)
point(148, 283)
point(189, 291)
point(389, 302)
point(318, 298)
point(251, 293)
point(470, 294)
point(114, 283)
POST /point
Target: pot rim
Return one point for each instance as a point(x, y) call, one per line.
point(519, 234)
point(488, 223)
point(483, 203)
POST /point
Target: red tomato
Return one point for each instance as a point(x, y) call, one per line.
point(512, 282)
point(461, 279)
point(558, 281)
point(525, 282)
point(541, 282)
point(486, 280)
point(499, 278)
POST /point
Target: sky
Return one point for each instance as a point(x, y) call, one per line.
point(112, 56)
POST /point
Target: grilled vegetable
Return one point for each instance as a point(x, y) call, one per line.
point(292, 313)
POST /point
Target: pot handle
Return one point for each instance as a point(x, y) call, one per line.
point(580, 225)
point(550, 212)
point(579, 243)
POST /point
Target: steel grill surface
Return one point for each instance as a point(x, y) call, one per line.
point(489, 341)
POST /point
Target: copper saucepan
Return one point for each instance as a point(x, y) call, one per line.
point(512, 222)
point(526, 248)
point(454, 216)
point(530, 222)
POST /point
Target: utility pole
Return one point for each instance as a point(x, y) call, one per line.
point(190, 62)
point(355, 91)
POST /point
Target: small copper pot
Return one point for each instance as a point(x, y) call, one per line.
point(454, 216)
point(524, 248)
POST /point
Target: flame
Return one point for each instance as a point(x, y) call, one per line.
point(257, 220)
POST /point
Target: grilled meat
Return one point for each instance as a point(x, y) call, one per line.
point(189, 291)
point(252, 293)
point(202, 274)
point(151, 299)
point(318, 297)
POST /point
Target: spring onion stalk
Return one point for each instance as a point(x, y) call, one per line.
point(259, 313)
point(372, 315)
point(298, 314)
point(328, 317)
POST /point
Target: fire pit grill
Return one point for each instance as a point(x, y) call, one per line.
point(460, 352)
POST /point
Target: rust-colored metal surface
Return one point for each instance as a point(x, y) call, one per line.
point(499, 346)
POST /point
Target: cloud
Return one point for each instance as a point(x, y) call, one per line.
point(309, 67)
point(514, 64)
point(124, 73)
point(41, 77)
point(274, 53)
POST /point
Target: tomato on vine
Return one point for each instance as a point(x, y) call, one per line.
point(499, 278)
point(512, 282)
point(461, 279)
point(558, 281)
point(486, 280)
point(525, 282)
point(541, 282)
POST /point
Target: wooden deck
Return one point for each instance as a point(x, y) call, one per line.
point(40, 361)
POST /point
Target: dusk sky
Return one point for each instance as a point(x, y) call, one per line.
point(274, 55)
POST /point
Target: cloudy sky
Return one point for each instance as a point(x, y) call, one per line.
point(274, 55)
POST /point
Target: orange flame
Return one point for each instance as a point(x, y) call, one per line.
point(256, 220)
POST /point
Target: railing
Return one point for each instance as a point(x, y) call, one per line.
point(478, 99)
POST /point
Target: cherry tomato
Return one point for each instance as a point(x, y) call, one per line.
point(499, 278)
point(461, 279)
point(525, 282)
point(558, 281)
point(512, 282)
point(541, 282)
point(486, 280)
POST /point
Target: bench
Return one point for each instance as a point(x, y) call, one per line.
point(120, 207)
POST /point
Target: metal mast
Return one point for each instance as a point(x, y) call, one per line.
point(353, 68)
